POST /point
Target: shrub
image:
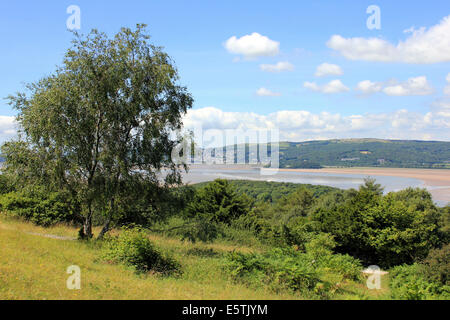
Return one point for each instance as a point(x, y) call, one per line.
point(278, 268)
point(40, 207)
point(390, 230)
point(133, 248)
point(191, 229)
point(199, 229)
point(408, 282)
point(437, 265)
point(309, 273)
point(6, 184)
point(347, 267)
point(218, 202)
point(320, 249)
point(239, 236)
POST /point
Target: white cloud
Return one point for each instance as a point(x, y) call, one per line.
point(279, 67)
point(327, 69)
point(8, 128)
point(304, 125)
point(369, 87)
point(334, 86)
point(447, 87)
point(311, 85)
point(422, 46)
point(441, 106)
point(263, 92)
point(417, 86)
point(252, 46)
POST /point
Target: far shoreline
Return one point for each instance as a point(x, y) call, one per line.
point(437, 181)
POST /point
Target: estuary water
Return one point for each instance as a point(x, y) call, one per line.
point(198, 174)
point(341, 181)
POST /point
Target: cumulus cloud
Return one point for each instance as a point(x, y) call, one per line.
point(369, 87)
point(279, 67)
point(253, 46)
point(334, 86)
point(447, 87)
point(442, 105)
point(417, 86)
point(303, 125)
point(423, 46)
point(327, 69)
point(263, 92)
point(8, 128)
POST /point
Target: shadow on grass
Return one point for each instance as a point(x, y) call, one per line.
point(204, 253)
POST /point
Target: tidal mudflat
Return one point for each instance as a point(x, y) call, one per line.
point(437, 181)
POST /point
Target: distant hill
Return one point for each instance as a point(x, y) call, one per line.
point(365, 152)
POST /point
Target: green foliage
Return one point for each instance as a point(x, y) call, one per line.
point(199, 229)
point(437, 265)
point(445, 213)
point(148, 204)
point(284, 222)
point(408, 282)
point(40, 207)
point(133, 248)
point(6, 184)
point(218, 202)
point(233, 235)
point(294, 205)
point(316, 272)
point(102, 124)
point(383, 230)
point(278, 269)
point(264, 191)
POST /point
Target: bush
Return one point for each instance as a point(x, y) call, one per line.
point(280, 269)
point(314, 273)
point(320, 248)
point(193, 230)
point(6, 184)
point(408, 282)
point(437, 265)
point(239, 236)
point(398, 228)
point(218, 202)
point(40, 207)
point(199, 229)
point(133, 248)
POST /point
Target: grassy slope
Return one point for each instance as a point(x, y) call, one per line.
point(34, 267)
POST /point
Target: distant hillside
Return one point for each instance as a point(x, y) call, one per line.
point(365, 152)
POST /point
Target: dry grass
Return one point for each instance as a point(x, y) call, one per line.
point(34, 267)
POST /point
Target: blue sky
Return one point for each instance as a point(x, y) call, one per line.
point(404, 98)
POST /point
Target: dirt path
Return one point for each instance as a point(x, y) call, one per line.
point(50, 236)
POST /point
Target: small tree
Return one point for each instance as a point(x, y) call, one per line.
point(389, 230)
point(102, 123)
point(218, 202)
